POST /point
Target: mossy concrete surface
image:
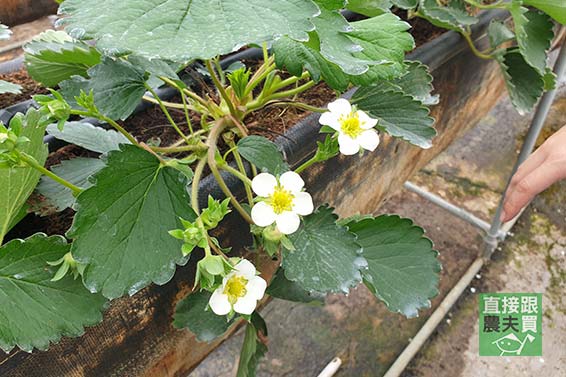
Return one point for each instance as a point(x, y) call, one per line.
point(360, 329)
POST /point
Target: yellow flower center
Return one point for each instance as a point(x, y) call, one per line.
point(235, 288)
point(351, 126)
point(281, 200)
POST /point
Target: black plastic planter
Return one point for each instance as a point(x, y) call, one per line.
point(137, 338)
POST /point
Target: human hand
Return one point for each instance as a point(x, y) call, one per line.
point(544, 167)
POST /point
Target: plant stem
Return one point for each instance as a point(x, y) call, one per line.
point(291, 80)
point(476, 52)
point(267, 67)
point(220, 71)
point(306, 164)
point(186, 110)
point(244, 178)
point(184, 148)
point(189, 94)
point(300, 105)
point(168, 104)
point(32, 162)
point(195, 185)
point(166, 112)
point(260, 102)
point(216, 249)
point(217, 129)
point(220, 88)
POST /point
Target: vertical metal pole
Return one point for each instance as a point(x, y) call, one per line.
point(528, 145)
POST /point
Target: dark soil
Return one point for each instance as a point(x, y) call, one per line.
point(29, 88)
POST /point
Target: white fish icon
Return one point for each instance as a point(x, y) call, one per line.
point(510, 343)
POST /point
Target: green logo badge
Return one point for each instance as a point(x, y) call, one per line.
point(510, 324)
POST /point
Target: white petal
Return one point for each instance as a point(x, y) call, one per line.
point(256, 287)
point(245, 305)
point(348, 146)
point(288, 222)
point(263, 184)
point(369, 139)
point(219, 302)
point(262, 214)
point(291, 181)
point(366, 122)
point(245, 268)
point(340, 107)
point(329, 119)
point(302, 204)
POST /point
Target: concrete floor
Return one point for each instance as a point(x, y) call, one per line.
point(359, 329)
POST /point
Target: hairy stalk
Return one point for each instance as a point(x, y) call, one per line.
point(194, 186)
point(186, 110)
point(32, 163)
point(168, 104)
point(189, 94)
point(220, 88)
point(313, 160)
point(184, 148)
point(167, 115)
point(478, 53)
point(220, 71)
point(260, 102)
point(216, 249)
point(219, 126)
point(111, 122)
point(299, 105)
point(244, 177)
point(290, 81)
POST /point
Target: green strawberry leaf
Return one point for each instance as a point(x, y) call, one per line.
point(297, 56)
point(402, 266)
point(134, 202)
point(499, 33)
point(36, 311)
point(554, 8)
point(452, 16)
point(285, 289)
point(383, 38)
point(56, 197)
point(370, 8)
point(183, 32)
point(405, 4)
point(534, 32)
point(262, 153)
point(253, 348)
point(192, 312)
point(18, 183)
point(524, 84)
point(87, 136)
point(399, 114)
point(8, 87)
point(326, 256)
point(53, 56)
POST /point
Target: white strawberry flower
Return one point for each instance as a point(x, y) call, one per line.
point(355, 128)
point(282, 201)
point(240, 291)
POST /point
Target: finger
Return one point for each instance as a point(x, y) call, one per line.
point(531, 163)
point(523, 192)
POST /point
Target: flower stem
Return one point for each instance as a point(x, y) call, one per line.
point(186, 110)
point(313, 160)
point(189, 94)
point(195, 185)
point(32, 162)
point(244, 177)
point(217, 129)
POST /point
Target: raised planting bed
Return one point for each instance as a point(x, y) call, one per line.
point(136, 337)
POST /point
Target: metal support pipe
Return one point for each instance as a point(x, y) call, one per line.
point(528, 145)
point(455, 210)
